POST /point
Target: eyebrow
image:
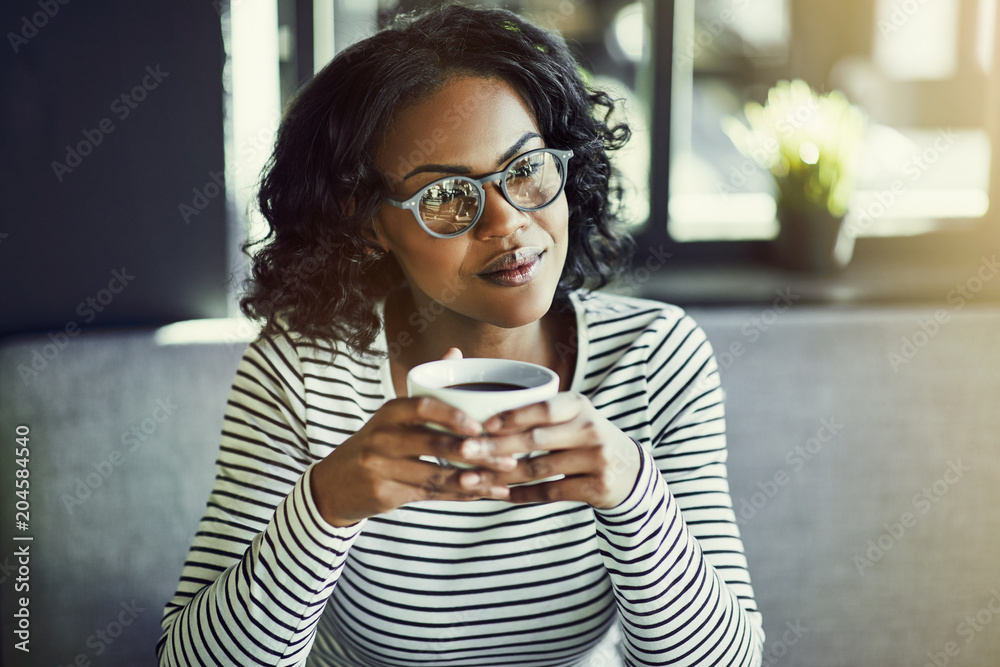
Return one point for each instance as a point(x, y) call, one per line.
point(462, 170)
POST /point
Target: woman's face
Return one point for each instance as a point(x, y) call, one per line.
point(473, 127)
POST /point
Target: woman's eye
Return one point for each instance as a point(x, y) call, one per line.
point(526, 169)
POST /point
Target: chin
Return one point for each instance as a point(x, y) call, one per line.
point(519, 308)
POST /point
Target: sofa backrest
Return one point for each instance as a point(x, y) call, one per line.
point(864, 459)
point(866, 484)
point(123, 438)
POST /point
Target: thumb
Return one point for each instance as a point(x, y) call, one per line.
point(452, 353)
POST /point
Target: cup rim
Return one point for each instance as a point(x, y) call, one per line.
point(474, 369)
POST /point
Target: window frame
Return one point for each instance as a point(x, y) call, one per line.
point(984, 232)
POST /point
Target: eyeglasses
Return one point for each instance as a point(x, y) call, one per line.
point(451, 206)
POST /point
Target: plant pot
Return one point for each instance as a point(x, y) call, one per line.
point(813, 241)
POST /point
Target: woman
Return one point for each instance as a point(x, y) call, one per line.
point(440, 189)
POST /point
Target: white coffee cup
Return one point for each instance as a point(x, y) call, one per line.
point(531, 384)
point(481, 397)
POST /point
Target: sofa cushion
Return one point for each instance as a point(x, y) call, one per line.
point(865, 470)
point(123, 438)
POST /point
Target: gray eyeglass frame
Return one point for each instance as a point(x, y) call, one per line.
point(413, 203)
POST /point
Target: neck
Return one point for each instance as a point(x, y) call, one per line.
point(536, 342)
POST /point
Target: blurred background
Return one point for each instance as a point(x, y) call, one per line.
point(839, 250)
point(107, 166)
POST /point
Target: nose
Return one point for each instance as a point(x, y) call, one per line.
point(499, 218)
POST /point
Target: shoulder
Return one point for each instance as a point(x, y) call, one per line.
point(272, 359)
point(626, 330)
point(288, 353)
point(315, 362)
point(280, 340)
point(606, 313)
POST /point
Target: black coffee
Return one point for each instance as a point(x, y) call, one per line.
point(485, 386)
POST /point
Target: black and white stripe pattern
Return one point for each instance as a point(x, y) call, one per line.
point(268, 582)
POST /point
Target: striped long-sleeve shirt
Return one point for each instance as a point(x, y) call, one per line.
point(269, 582)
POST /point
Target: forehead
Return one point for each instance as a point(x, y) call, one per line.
point(468, 121)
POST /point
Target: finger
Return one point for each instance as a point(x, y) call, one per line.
point(453, 451)
point(421, 410)
point(579, 432)
point(427, 481)
point(560, 408)
point(485, 482)
point(570, 462)
point(405, 441)
point(398, 494)
point(581, 488)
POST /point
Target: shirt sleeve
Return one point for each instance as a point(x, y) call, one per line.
point(264, 562)
point(673, 547)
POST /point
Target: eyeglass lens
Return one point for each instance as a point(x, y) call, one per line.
point(451, 205)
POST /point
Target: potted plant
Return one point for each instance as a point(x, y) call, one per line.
point(810, 144)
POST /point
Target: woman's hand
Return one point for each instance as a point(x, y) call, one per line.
point(600, 463)
point(379, 468)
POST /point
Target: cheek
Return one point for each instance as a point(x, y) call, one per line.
point(424, 266)
point(411, 246)
point(427, 262)
point(558, 224)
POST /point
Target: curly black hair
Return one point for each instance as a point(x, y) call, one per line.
point(314, 273)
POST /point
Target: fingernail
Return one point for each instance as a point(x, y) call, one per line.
point(471, 426)
point(471, 479)
point(473, 449)
point(499, 492)
point(494, 423)
point(507, 463)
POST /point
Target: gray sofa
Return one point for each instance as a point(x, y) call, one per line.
point(867, 484)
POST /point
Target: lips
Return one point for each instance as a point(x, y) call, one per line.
point(512, 260)
point(513, 268)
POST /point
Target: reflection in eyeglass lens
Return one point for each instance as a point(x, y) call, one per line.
point(451, 205)
point(532, 182)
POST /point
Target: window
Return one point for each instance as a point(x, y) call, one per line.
point(925, 72)
point(920, 70)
